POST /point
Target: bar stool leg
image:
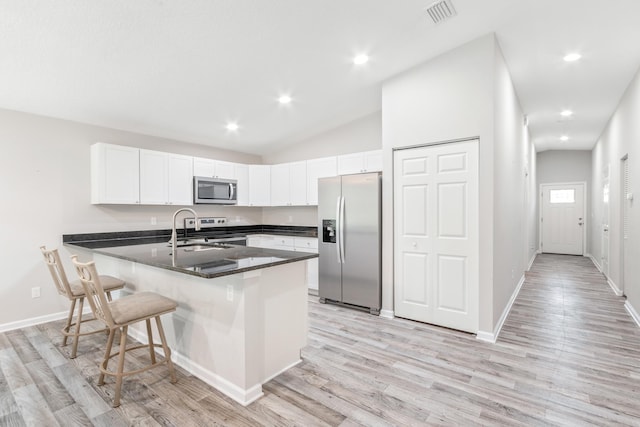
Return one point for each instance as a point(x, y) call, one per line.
point(76, 336)
point(69, 320)
point(107, 353)
point(123, 349)
point(167, 351)
point(152, 354)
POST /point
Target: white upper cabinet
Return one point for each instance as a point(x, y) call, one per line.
point(280, 194)
point(368, 161)
point(289, 184)
point(165, 179)
point(180, 180)
point(259, 185)
point(213, 168)
point(114, 174)
point(319, 168)
point(242, 176)
point(128, 175)
point(154, 176)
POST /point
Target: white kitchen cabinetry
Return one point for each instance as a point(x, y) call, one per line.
point(242, 176)
point(180, 180)
point(259, 185)
point(165, 179)
point(309, 244)
point(213, 168)
point(289, 184)
point(367, 161)
point(319, 168)
point(115, 175)
point(291, 243)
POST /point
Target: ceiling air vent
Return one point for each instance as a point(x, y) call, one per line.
point(441, 11)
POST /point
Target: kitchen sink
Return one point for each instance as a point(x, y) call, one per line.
point(197, 247)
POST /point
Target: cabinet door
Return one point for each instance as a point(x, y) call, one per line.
point(373, 161)
point(203, 167)
point(115, 174)
point(259, 185)
point(242, 176)
point(319, 168)
point(280, 194)
point(154, 175)
point(180, 180)
point(298, 183)
point(225, 170)
point(350, 163)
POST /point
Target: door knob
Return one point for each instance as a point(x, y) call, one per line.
point(579, 223)
point(414, 244)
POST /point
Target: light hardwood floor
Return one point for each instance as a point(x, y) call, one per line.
point(568, 354)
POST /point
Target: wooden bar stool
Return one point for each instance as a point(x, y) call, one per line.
point(74, 291)
point(118, 315)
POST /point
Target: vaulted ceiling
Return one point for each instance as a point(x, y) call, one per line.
point(183, 69)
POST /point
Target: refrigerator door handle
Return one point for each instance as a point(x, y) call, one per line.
point(337, 230)
point(341, 230)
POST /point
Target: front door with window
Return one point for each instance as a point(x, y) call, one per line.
point(563, 218)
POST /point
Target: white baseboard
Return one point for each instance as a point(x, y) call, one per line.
point(632, 311)
point(533, 258)
point(615, 287)
point(33, 321)
point(313, 292)
point(594, 261)
point(387, 314)
point(240, 395)
point(492, 337)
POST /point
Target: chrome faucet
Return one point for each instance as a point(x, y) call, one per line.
point(174, 234)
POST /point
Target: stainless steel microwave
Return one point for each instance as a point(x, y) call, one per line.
point(207, 190)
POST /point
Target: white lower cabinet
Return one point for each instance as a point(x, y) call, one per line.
point(291, 243)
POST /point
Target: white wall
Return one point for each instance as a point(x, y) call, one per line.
point(556, 166)
point(512, 196)
point(45, 188)
point(620, 138)
point(363, 134)
point(465, 93)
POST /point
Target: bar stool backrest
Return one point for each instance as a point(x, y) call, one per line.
point(94, 291)
point(52, 259)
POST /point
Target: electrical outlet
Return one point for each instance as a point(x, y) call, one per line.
point(290, 218)
point(230, 293)
point(154, 220)
point(35, 292)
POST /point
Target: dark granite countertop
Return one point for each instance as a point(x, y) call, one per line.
point(126, 238)
point(210, 263)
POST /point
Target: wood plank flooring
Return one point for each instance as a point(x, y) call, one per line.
point(569, 354)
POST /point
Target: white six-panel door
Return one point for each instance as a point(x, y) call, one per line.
point(562, 218)
point(436, 234)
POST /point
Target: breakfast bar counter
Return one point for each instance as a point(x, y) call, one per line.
point(242, 312)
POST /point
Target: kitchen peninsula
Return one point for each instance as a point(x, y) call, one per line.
point(242, 311)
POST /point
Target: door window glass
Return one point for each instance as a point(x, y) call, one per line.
point(562, 196)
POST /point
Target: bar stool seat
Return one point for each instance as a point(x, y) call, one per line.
point(74, 291)
point(118, 315)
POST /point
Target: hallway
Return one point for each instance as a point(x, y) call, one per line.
point(569, 354)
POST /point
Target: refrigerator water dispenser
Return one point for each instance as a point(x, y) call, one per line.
point(329, 230)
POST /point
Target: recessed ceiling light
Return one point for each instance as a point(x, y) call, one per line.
point(284, 99)
point(566, 113)
point(572, 57)
point(564, 138)
point(232, 126)
point(361, 59)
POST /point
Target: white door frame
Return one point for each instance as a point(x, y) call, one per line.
point(584, 211)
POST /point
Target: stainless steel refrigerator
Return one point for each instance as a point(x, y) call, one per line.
point(349, 221)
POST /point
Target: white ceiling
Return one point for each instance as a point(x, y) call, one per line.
point(182, 68)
